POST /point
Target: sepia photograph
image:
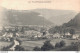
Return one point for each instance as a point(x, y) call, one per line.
point(39, 25)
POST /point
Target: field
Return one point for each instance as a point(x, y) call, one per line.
point(4, 44)
point(29, 45)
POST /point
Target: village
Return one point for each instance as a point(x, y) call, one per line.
point(10, 32)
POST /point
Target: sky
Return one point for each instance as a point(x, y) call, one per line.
point(49, 4)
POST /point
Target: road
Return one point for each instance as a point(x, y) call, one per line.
point(15, 43)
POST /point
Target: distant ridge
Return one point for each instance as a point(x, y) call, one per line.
point(36, 16)
point(58, 17)
point(21, 17)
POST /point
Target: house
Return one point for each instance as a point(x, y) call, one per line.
point(49, 36)
point(37, 34)
point(17, 34)
point(33, 33)
point(10, 35)
point(7, 36)
point(56, 35)
point(75, 36)
point(67, 34)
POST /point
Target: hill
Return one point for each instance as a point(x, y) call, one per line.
point(75, 22)
point(58, 17)
point(24, 17)
point(36, 16)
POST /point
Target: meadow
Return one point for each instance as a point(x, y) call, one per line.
point(29, 45)
point(4, 44)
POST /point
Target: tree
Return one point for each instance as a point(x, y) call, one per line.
point(72, 43)
point(57, 45)
point(10, 30)
point(16, 29)
point(47, 46)
point(72, 31)
point(44, 33)
point(19, 48)
point(42, 29)
point(52, 30)
point(64, 31)
point(3, 30)
point(22, 29)
point(62, 43)
point(11, 39)
point(37, 48)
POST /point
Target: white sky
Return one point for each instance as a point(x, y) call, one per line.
point(55, 4)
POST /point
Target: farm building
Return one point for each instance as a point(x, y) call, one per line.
point(75, 36)
point(49, 35)
point(68, 34)
point(56, 35)
point(33, 33)
point(8, 35)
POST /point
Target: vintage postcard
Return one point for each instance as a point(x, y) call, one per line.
point(39, 25)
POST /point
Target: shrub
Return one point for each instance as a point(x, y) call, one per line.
point(37, 48)
point(47, 46)
point(19, 48)
point(62, 43)
point(7, 48)
point(11, 39)
point(72, 43)
point(57, 45)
